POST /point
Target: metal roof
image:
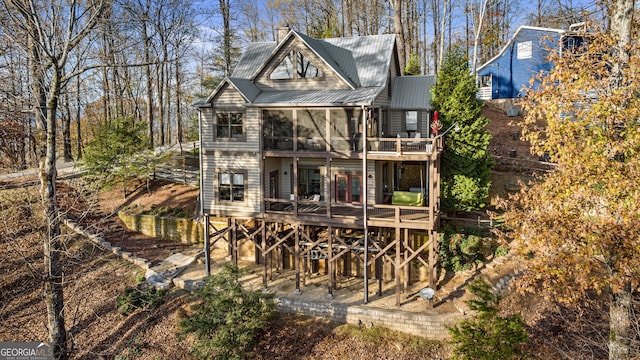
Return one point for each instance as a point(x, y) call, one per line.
point(412, 92)
point(255, 55)
point(371, 56)
point(246, 88)
point(317, 47)
point(360, 96)
point(363, 62)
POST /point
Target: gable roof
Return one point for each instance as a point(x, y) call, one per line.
point(412, 92)
point(246, 88)
point(362, 61)
point(515, 37)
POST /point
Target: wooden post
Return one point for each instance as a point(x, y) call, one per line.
point(330, 262)
point(397, 264)
point(433, 247)
point(264, 255)
point(207, 247)
point(379, 263)
point(297, 258)
point(407, 265)
point(234, 241)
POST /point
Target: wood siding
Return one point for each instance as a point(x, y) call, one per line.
point(214, 163)
point(228, 96)
point(252, 130)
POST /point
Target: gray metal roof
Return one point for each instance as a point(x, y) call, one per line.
point(318, 47)
point(363, 62)
point(412, 92)
point(371, 56)
point(248, 89)
point(255, 55)
point(360, 96)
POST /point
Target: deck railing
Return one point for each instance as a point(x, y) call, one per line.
point(401, 145)
point(381, 212)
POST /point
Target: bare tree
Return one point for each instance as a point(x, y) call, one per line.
point(53, 31)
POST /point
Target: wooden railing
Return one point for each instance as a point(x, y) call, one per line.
point(484, 93)
point(402, 145)
point(381, 212)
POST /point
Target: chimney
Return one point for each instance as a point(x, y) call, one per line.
point(282, 32)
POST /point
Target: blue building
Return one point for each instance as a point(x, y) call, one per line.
point(525, 55)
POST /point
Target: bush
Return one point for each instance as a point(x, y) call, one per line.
point(463, 248)
point(142, 296)
point(460, 250)
point(488, 335)
point(229, 319)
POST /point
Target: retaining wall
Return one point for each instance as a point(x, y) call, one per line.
point(186, 231)
point(429, 326)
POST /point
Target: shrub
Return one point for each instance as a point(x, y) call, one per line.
point(228, 319)
point(142, 296)
point(488, 335)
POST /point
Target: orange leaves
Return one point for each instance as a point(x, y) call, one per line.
point(579, 226)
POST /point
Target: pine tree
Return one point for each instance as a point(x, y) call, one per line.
point(466, 167)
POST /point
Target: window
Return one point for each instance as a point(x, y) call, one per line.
point(485, 81)
point(524, 50)
point(230, 125)
point(304, 69)
point(277, 131)
point(309, 182)
point(411, 120)
point(231, 186)
point(349, 189)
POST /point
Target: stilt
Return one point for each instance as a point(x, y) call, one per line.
point(207, 246)
point(263, 244)
point(407, 268)
point(397, 265)
point(330, 263)
point(297, 258)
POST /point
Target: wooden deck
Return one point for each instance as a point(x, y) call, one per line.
point(321, 213)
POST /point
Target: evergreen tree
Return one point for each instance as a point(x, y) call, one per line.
point(228, 319)
point(120, 152)
point(488, 335)
point(466, 167)
point(413, 65)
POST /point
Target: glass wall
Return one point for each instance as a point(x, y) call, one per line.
point(311, 128)
point(277, 130)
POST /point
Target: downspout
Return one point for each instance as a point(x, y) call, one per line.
point(364, 202)
point(207, 260)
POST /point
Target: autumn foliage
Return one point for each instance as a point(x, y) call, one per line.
point(579, 226)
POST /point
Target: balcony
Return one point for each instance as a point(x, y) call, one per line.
point(323, 212)
point(417, 148)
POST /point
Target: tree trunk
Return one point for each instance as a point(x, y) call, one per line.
point(620, 308)
point(78, 118)
point(147, 70)
point(399, 31)
point(178, 99)
point(225, 7)
point(53, 281)
point(620, 323)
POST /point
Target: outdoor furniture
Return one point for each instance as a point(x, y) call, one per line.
point(407, 198)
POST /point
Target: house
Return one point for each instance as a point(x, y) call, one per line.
point(524, 56)
point(317, 154)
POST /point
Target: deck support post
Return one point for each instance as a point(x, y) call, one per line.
point(397, 264)
point(330, 262)
point(207, 246)
point(297, 258)
point(263, 250)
